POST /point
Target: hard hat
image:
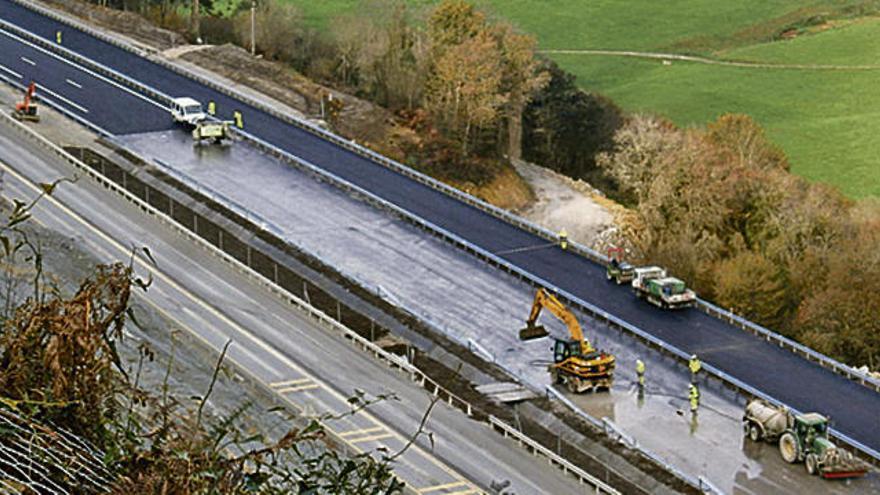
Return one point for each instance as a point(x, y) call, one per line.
point(693, 356)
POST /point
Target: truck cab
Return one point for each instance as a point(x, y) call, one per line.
point(187, 110)
point(619, 271)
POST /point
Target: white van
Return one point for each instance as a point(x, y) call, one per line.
point(187, 110)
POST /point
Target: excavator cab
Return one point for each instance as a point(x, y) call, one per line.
point(564, 349)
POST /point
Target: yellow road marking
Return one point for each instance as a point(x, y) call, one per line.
point(301, 388)
point(380, 436)
point(437, 488)
point(288, 383)
point(361, 431)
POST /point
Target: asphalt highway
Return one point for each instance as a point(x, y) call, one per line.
point(311, 370)
point(775, 371)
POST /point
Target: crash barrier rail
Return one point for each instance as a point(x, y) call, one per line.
point(502, 214)
point(539, 449)
point(391, 359)
point(454, 239)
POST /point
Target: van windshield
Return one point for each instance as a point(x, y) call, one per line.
point(192, 109)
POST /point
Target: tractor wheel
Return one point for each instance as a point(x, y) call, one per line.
point(755, 433)
point(789, 448)
point(573, 384)
point(557, 377)
point(812, 464)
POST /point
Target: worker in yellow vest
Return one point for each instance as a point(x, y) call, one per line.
point(640, 372)
point(239, 121)
point(563, 239)
point(212, 108)
point(695, 367)
point(694, 397)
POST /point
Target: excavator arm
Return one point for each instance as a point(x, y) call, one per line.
point(544, 299)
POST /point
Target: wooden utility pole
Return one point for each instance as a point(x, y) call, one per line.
point(195, 26)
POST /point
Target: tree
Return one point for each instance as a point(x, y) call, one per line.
point(565, 127)
point(745, 140)
point(521, 78)
point(464, 89)
point(752, 286)
point(643, 146)
point(383, 53)
point(452, 23)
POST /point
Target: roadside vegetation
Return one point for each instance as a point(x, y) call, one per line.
point(63, 382)
point(717, 204)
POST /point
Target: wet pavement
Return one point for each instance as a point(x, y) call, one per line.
point(471, 302)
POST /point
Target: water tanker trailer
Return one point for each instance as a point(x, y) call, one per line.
point(801, 438)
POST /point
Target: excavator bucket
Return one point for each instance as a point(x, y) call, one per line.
point(532, 332)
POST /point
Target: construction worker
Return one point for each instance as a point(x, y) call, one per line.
point(58, 37)
point(640, 372)
point(563, 239)
point(695, 366)
point(239, 122)
point(694, 397)
point(212, 108)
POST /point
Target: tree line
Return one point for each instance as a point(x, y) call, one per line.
point(719, 207)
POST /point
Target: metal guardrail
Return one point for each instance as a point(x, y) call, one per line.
point(551, 456)
point(392, 360)
point(515, 220)
point(428, 226)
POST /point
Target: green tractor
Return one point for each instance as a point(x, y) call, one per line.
point(802, 438)
point(807, 441)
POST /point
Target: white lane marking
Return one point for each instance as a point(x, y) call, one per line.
point(44, 89)
point(73, 83)
point(10, 71)
point(27, 61)
point(81, 68)
point(28, 184)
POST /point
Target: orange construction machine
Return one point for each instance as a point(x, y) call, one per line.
point(27, 109)
point(575, 362)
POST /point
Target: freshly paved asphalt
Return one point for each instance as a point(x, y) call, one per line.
point(775, 371)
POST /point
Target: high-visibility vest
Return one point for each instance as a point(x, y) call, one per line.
point(640, 367)
point(694, 366)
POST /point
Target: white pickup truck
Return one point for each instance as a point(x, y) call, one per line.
point(187, 110)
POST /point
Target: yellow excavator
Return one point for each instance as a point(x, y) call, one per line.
point(575, 362)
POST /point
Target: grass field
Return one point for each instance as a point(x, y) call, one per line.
point(828, 122)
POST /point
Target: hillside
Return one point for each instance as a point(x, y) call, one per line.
point(823, 118)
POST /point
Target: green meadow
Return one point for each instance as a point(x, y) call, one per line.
point(827, 121)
